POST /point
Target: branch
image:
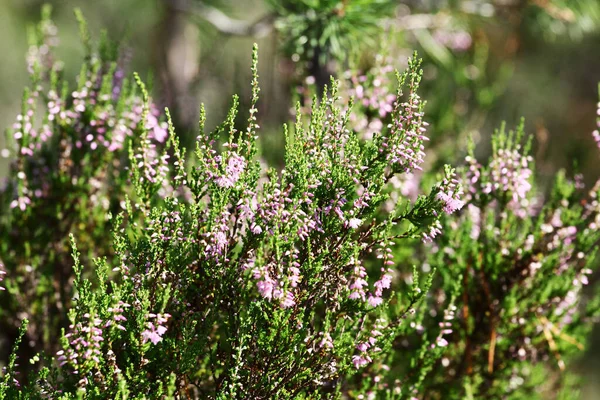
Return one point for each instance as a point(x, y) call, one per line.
point(223, 23)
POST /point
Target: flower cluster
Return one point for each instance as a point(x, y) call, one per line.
point(509, 172)
point(366, 347)
point(155, 330)
point(83, 348)
point(450, 193)
point(234, 167)
point(406, 141)
point(40, 55)
point(374, 99)
point(88, 119)
point(118, 317)
point(445, 327)
point(68, 148)
point(520, 275)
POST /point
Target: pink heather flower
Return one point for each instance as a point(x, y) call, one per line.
point(265, 283)
point(374, 301)
point(154, 332)
point(475, 217)
point(456, 40)
point(287, 300)
point(354, 296)
point(362, 347)
point(118, 316)
point(449, 192)
point(233, 170)
point(151, 334)
point(358, 283)
point(265, 287)
point(405, 145)
point(354, 223)
point(157, 130)
point(451, 204)
point(279, 288)
point(20, 202)
point(384, 282)
point(360, 361)
point(220, 242)
point(446, 327)
point(294, 278)
point(372, 90)
point(217, 239)
point(510, 172)
point(84, 343)
point(434, 230)
point(326, 342)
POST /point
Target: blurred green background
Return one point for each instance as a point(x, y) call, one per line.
point(485, 61)
point(537, 59)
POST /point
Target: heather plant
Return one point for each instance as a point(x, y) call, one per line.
point(69, 148)
point(255, 287)
point(241, 282)
point(521, 260)
point(525, 257)
point(349, 273)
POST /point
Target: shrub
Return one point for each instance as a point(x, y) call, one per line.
point(223, 279)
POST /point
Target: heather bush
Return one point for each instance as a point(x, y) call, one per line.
point(70, 153)
point(136, 270)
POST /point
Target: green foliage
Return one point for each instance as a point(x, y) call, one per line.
point(317, 30)
point(224, 279)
